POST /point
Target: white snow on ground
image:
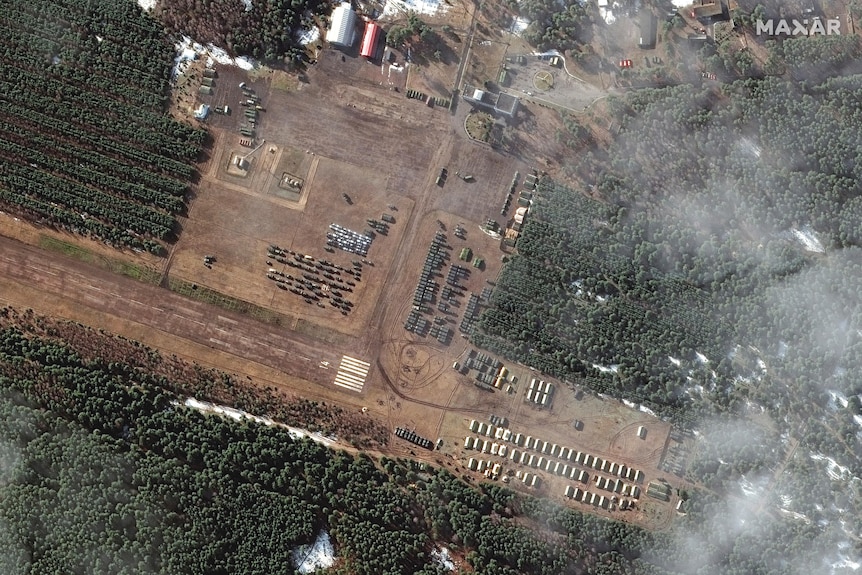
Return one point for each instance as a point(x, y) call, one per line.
point(836, 398)
point(309, 36)
point(845, 563)
point(320, 555)
point(429, 7)
point(607, 15)
point(247, 5)
point(834, 471)
point(782, 350)
point(147, 4)
point(807, 237)
point(443, 559)
point(754, 407)
point(674, 361)
point(647, 410)
point(607, 368)
point(761, 364)
point(239, 415)
point(187, 50)
point(794, 515)
point(681, 3)
point(641, 408)
point(518, 26)
point(702, 359)
point(750, 488)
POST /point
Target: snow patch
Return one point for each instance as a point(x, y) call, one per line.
point(845, 563)
point(319, 555)
point(836, 398)
point(681, 3)
point(754, 407)
point(247, 5)
point(308, 36)
point(147, 5)
point(239, 415)
point(794, 515)
point(641, 408)
point(808, 238)
point(782, 350)
point(607, 368)
point(443, 559)
point(674, 361)
point(429, 7)
point(188, 50)
point(647, 410)
point(701, 359)
point(518, 26)
point(833, 470)
point(606, 13)
point(749, 488)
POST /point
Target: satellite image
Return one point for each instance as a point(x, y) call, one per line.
point(389, 287)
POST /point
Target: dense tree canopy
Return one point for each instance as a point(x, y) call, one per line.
point(262, 29)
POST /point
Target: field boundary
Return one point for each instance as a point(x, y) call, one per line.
point(80, 253)
point(229, 303)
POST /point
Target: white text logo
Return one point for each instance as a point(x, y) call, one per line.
point(798, 28)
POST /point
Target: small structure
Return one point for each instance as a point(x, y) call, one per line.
point(707, 9)
point(500, 103)
point(343, 29)
point(648, 25)
point(370, 39)
point(202, 112)
point(642, 432)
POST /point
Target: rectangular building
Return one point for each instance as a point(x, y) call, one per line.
point(370, 40)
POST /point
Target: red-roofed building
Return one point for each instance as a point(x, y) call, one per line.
point(369, 40)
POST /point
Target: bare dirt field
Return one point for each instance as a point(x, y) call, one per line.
point(341, 131)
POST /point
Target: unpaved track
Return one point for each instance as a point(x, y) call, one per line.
point(59, 287)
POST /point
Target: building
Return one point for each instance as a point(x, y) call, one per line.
point(343, 29)
point(500, 103)
point(707, 9)
point(370, 40)
point(648, 24)
point(202, 112)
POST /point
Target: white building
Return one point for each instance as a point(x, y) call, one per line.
point(343, 29)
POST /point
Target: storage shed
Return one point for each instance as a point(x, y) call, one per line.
point(370, 40)
point(343, 29)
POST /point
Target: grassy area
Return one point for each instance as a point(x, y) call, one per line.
point(321, 333)
point(478, 126)
point(284, 81)
point(116, 266)
point(229, 303)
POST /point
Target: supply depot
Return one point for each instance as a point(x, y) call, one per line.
point(783, 27)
